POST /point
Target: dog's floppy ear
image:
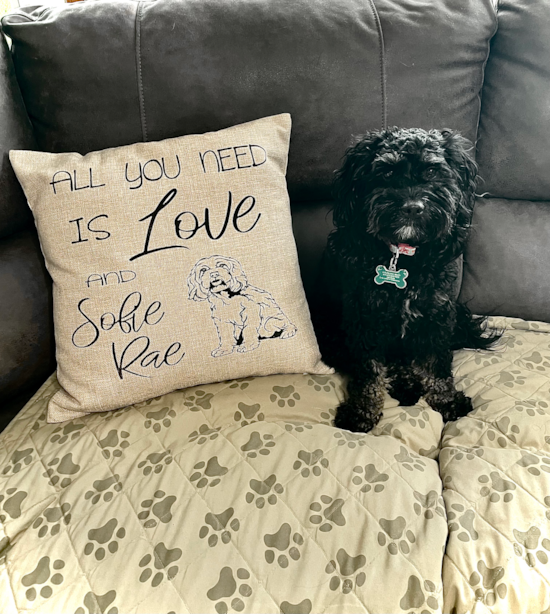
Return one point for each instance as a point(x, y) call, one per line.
point(351, 179)
point(238, 277)
point(196, 291)
point(457, 153)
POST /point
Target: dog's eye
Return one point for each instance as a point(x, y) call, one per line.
point(429, 173)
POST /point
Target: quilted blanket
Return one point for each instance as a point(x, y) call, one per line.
point(242, 497)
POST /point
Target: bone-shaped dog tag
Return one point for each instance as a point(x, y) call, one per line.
point(397, 278)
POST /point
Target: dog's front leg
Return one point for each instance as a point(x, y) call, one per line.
point(436, 375)
point(362, 409)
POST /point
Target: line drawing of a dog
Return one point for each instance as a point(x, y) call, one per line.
point(243, 314)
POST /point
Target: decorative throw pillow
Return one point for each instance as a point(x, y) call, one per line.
point(173, 262)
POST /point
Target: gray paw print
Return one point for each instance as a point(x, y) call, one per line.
point(247, 414)
point(42, 575)
point(502, 431)
point(61, 467)
point(547, 503)
point(199, 400)
point(462, 520)
point(530, 541)
point(162, 562)
point(496, 487)
point(218, 527)
point(408, 461)
point(415, 416)
point(536, 361)
point(98, 603)
point(486, 583)
point(116, 440)
point(158, 419)
point(532, 408)
point(72, 431)
point(431, 503)
point(368, 476)
point(157, 509)
point(346, 567)
point(284, 396)
point(534, 464)
point(204, 433)
point(51, 519)
point(155, 462)
point(459, 453)
point(208, 473)
point(321, 383)
point(226, 587)
point(104, 489)
point(328, 513)
point(349, 439)
point(18, 460)
point(415, 598)
point(395, 535)
point(104, 536)
point(281, 541)
point(512, 378)
point(11, 503)
point(264, 491)
point(241, 384)
point(258, 444)
point(299, 427)
point(310, 463)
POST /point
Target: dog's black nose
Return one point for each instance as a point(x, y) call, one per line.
point(413, 208)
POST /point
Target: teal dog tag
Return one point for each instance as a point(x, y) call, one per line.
point(384, 276)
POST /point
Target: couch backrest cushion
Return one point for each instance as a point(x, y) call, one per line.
point(101, 74)
point(514, 133)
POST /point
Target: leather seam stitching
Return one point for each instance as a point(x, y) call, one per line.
point(382, 56)
point(141, 96)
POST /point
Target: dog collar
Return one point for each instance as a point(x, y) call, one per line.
point(392, 275)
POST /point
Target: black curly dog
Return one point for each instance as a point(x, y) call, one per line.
point(404, 202)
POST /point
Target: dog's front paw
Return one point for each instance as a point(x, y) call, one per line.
point(458, 406)
point(354, 419)
point(288, 332)
point(248, 347)
point(223, 350)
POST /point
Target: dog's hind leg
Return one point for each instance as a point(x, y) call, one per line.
point(404, 385)
point(362, 409)
point(439, 389)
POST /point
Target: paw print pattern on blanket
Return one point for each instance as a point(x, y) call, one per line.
point(419, 594)
point(104, 536)
point(529, 540)
point(328, 513)
point(59, 470)
point(264, 491)
point(208, 473)
point(218, 527)
point(395, 535)
point(534, 464)
point(43, 575)
point(162, 560)
point(282, 541)
point(462, 520)
point(159, 419)
point(311, 463)
point(496, 487)
point(72, 430)
point(98, 603)
point(349, 439)
point(18, 460)
point(10, 503)
point(284, 396)
point(51, 519)
point(431, 503)
point(158, 509)
point(118, 440)
point(321, 383)
point(227, 587)
point(247, 414)
point(204, 433)
point(368, 477)
point(304, 607)
point(104, 489)
point(344, 571)
point(199, 400)
point(155, 462)
point(258, 444)
point(487, 585)
point(409, 462)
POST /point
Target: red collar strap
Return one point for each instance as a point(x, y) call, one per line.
point(403, 248)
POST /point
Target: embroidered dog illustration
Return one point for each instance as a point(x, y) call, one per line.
point(243, 314)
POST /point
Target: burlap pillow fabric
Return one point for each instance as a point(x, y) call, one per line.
point(174, 264)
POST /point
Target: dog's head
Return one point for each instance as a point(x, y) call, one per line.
point(214, 276)
point(407, 186)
